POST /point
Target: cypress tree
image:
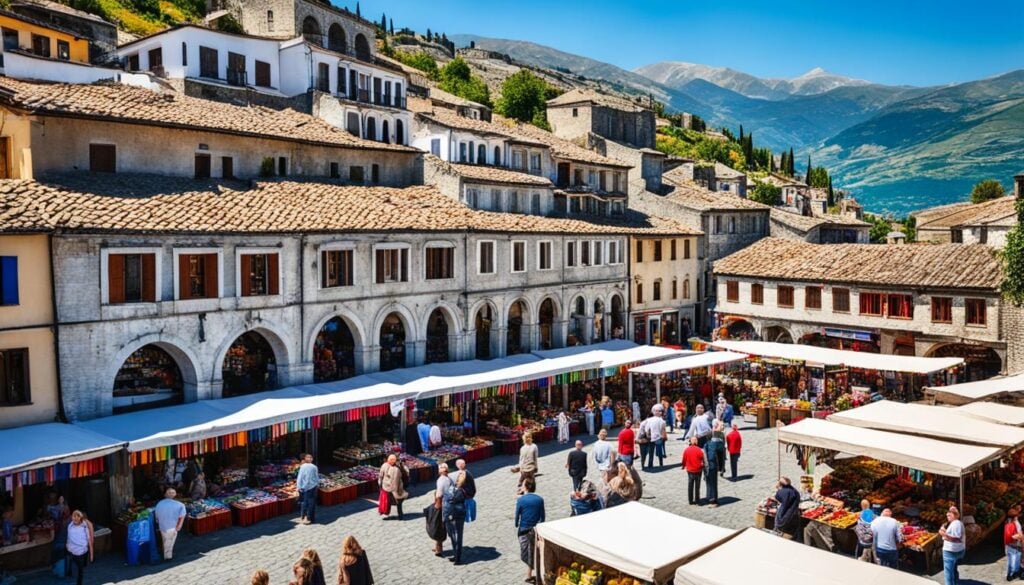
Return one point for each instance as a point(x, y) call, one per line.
point(383, 23)
point(357, 11)
point(831, 193)
point(807, 179)
point(391, 21)
point(741, 133)
point(430, 37)
point(791, 169)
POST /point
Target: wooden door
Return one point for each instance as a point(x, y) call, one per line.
point(202, 166)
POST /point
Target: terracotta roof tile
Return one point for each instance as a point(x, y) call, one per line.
point(693, 196)
point(449, 119)
point(490, 174)
point(807, 223)
point(560, 147)
point(973, 266)
point(974, 214)
point(579, 96)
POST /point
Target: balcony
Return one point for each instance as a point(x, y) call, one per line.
point(363, 95)
point(237, 77)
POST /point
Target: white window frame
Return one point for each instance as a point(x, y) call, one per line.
point(494, 256)
point(614, 252)
point(590, 257)
point(540, 255)
point(437, 244)
point(333, 247)
point(105, 272)
point(388, 246)
point(574, 256)
point(239, 251)
point(597, 257)
point(220, 271)
point(512, 257)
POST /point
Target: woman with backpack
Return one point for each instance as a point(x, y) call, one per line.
point(455, 517)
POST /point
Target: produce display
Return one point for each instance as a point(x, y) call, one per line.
point(363, 473)
point(891, 491)
point(274, 470)
point(230, 476)
point(337, 480)
point(282, 489)
point(580, 573)
point(839, 519)
point(365, 451)
point(249, 498)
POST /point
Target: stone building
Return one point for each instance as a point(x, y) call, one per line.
point(577, 113)
point(819, 229)
point(663, 304)
point(970, 223)
point(719, 177)
point(795, 194)
point(36, 48)
point(490, 187)
point(923, 300)
point(320, 23)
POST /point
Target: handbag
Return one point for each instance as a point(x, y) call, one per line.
point(645, 436)
point(383, 503)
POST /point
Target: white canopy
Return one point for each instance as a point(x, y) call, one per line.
point(488, 376)
point(836, 357)
point(689, 362)
point(613, 537)
point(1003, 414)
point(754, 556)
point(615, 353)
point(973, 391)
point(928, 455)
point(938, 422)
point(34, 446)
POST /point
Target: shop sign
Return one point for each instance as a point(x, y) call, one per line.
point(849, 334)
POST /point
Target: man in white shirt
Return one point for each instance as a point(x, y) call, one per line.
point(435, 436)
point(658, 432)
point(888, 534)
point(170, 517)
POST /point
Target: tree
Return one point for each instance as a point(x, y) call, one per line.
point(831, 193)
point(1012, 257)
point(456, 78)
point(741, 132)
point(987, 190)
point(807, 179)
point(383, 22)
point(430, 37)
point(765, 193)
point(357, 11)
point(880, 228)
point(391, 22)
point(421, 61)
point(790, 168)
point(524, 98)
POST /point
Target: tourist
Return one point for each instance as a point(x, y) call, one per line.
point(669, 414)
point(787, 516)
point(170, 517)
point(317, 577)
point(714, 457)
point(728, 414)
point(563, 427)
point(79, 545)
point(455, 517)
point(392, 486)
point(865, 537)
point(602, 452)
point(260, 577)
point(469, 486)
point(588, 413)
point(720, 408)
point(622, 488)
point(529, 513)
point(626, 444)
point(442, 495)
point(423, 430)
point(585, 499)
point(607, 414)
point(887, 535)
point(435, 437)
point(576, 463)
point(734, 444)
point(643, 441)
point(353, 567)
point(952, 533)
point(197, 491)
point(528, 457)
point(303, 571)
point(308, 483)
point(680, 412)
point(693, 464)
point(718, 434)
point(58, 511)
point(1012, 543)
point(700, 427)
point(656, 430)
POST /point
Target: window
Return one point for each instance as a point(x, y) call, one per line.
point(263, 74)
point(132, 63)
point(485, 257)
point(640, 292)
point(8, 281)
point(870, 304)
point(585, 253)
point(184, 55)
point(686, 287)
point(686, 249)
point(259, 274)
point(463, 156)
point(518, 160)
point(757, 293)
point(208, 66)
point(440, 262)
point(282, 166)
point(570, 254)
point(901, 307)
point(10, 39)
point(435, 146)
point(976, 311)
point(812, 297)
point(270, 20)
point(227, 167)
point(942, 310)
point(575, 112)
point(156, 58)
point(355, 175)
point(544, 256)
point(675, 289)
point(131, 278)
point(323, 77)
point(732, 291)
point(732, 225)
point(535, 204)
point(718, 224)
point(672, 250)
point(391, 265)
point(198, 276)
point(102, 158)
point(63, 50)
point(375, 173)
point(14, 386)
point(202, 166)
point(614, 252)
point(656, 296)
point(785, 296)
point(41, 45)
point(236, 72)
point(336, 268)
point(657, 250)
point(598, 252)
point(840, 300)
point(639, 251)
point(519, 256)
point(342, 76)
point(535, 163)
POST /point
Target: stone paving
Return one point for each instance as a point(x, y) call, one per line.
point(399, 552)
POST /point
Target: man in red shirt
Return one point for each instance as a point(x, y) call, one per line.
point(693, 463)
point(734, 443)
point(626, 446)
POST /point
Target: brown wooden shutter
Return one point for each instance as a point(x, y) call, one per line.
point(380, 266)
point(245, 274)
point(211, 275)
point(115, 278)
point(149, 278)
point(273, 277)
point(323, 269)
point(184, 291)
point(404, 261)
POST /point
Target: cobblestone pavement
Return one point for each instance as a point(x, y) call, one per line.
point(399, 552)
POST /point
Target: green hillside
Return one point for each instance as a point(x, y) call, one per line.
point(143, 17)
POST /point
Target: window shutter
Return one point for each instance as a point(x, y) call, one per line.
point(380, 266)
point(273, 286)
point(183, 288)
point(211, 275)
point(404, 261)
point(245, 274)
point(323, 269)
point(115, 278)
point(149, 278)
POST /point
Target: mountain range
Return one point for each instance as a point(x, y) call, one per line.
point(897, 148)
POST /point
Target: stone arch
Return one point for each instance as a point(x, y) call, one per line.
point(409, 325)
point(600, 332)
point(497, 156)
point(577, 321)
point(453, 327)
point(371, 128)
point(548, 312)
point(484, 319)
point(351, 319)
point(336, 39)
point(336, 347)
point(517, 327)
point(311, 31)
point(399, 131)
point(187, 361)
point(777, 334)
point(618, 320)
point(362, 47)
point(385, 131)
point(276, 363)
point(982, 362)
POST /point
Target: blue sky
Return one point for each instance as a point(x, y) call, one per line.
point(915, 42)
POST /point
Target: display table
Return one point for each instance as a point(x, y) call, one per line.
point(830, 538)
point(337, 495)
point(249, 514)
point(209, 522)
point(27, 555)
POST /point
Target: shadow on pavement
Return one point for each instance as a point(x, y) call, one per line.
point(479, 554)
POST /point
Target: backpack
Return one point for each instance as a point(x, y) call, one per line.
point(405, 473)
point(645, 434)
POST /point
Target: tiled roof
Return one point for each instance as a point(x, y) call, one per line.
point(560, 147)
point(973, 214)
point(121, 103)
point(781, 181)
point(124, 203)
point(693, 196)
point(928, 214)
point(805, 223)
point(579, 96)
point(58, 7)
point(449, 119)
point(726, 172)
point(39, 23)
point(490, 174)
point(972, 266)
point(441, 95)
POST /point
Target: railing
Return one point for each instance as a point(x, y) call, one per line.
point(363, 95)
point(237, 77)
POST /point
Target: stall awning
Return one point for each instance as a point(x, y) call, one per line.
point(928, 455)
point(490, 376)
point(612, 537)
point(615, 353)
point(689, 362)
point(937, 422)
point(974, 391)
point(754, 556)
point(836, 357)
point(1003, 414)
point(36, 446)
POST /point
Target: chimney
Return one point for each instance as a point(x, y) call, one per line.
point(1018, 185)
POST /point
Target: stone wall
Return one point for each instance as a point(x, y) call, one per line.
point(244, 96)
point(1013, 331)
point(102, 35)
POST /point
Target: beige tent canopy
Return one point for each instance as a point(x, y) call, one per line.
point(975, 391)
point(1003, 414)
point(834, 357)
point(938, 422)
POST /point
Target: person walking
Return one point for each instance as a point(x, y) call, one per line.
point(626, 447)
point(667, 412)
point(602, 452)
point(714, 456)
point(787, 516)
point(700, 427)
point(734, 444)
point(170, 517)
point(317, 576)
point(563, 427)
point(576, 463)
point(622, 487)
point(308, 483)
point(391, 480)
point(1012, 538)
point(718, 434)
point(529, 455)
point(643, 440)
point(79, 545)
point(442, 495)
point(353, 567)
point(529, 513)
point(887, 535)
point(607, 414)
point(952, 533)
point(693, 464)
point(469, 487)
point(865, 537)
point(680, 413)
point(455, 517)
point(658, 433)
point(423, 431)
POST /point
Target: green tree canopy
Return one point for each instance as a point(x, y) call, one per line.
point(765, 193)
point(421, 61)
point(524, 98)
point(987, 190)
point(457, 78)
point(880, 228)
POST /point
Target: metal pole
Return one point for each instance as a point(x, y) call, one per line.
point(657, 389)
point(630, 375)
point(602, 383)
point(363, 416)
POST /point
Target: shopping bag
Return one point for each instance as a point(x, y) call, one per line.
point(470, 510)
point(383, 503)
point(435, 524)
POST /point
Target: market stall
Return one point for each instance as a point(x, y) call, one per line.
point(1005, 388)
point(677, 372)
point(770, 560)
point(937, 422)
point(994, 412)
point(606, 542)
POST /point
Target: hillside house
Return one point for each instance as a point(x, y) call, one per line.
point(100, 34)
point(973, 223)
point(719, 177)
point(795, 194)
point(576, 113)
point(819, 229)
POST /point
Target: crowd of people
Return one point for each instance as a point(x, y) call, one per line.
point(353, 567)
